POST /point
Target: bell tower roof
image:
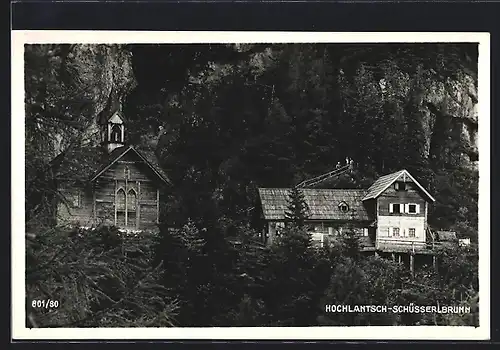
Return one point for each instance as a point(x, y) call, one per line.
point(116, 118)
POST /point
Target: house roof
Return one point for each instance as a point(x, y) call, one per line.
point(385, 181)
point(323, 203)
point(119, 152)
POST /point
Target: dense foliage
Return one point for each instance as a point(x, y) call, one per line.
point(99, 278)
point(239, 117)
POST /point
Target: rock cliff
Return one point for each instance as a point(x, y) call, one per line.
point(68, 86)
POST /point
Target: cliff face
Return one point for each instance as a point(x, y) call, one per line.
point(71, 85)
point(455, 100)
point(104, 72)
point(445, 108)
point(81, 81)
point(101, 70)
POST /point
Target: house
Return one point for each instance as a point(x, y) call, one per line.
point(113, 184)
point(330, 212)
point(390, 216)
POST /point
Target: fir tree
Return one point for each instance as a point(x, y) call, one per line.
point(297, 210)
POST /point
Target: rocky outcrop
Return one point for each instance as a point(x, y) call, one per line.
point(447, 108)
point(73, 85)
point(457, 100)
point(101, 70)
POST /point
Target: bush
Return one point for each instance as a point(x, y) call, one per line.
point(100, 277)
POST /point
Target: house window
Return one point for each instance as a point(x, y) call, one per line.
point(395, 231)
point(126, 203)
point(120, 200)
point(411, 232)
point(395, 208)
point(131, 200)
point(343, 207)
point(400, 186)
point(412, 208)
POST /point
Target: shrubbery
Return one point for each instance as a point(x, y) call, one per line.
point(100, 278)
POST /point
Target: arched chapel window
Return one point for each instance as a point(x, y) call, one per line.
point(120, 199)
point(131, 200)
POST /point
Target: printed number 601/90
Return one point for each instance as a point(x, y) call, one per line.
point(45, 303)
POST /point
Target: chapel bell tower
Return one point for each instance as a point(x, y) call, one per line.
point(113, 133)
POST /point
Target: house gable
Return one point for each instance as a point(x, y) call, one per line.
point(384, 182)
point(129, 154)
point(127, 192)
point(395, 202)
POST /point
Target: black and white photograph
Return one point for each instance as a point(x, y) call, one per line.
point(320, 186)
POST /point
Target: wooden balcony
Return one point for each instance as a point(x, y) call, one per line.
point(368, 244)
point(403, 246)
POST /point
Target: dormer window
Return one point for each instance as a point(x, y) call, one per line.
point(343, 207)
point(400, 186)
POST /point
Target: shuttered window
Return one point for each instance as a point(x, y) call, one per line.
point(400, 186)
point(395, 208)
point(412, 208)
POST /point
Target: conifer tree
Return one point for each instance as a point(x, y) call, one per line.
point(297, 210)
